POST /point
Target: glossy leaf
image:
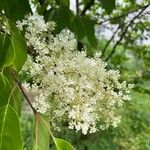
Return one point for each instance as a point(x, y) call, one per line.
point(12, 51)
point(62, 16)
point(108, 5)
point(83, 28)
point(4, 90)
point(41, 133)
point(10, 134)
point(7, 52)
point(62, 144)
point(7, 87)
point(15, 9)
point(19, 46)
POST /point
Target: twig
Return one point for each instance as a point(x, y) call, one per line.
point(23, 90)
point(77, 6)
point(107, 44)
point(79, 44)
point(87, 7)
point(41, 2)
point(123, 15)
point(124, 32)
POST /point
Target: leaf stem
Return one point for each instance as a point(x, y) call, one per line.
point(23, 90)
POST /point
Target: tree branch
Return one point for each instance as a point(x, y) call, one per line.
point(87, 7)
point(23, 90)
point(124, 32)
point(123, 15)
point(41, 2)
point(107, 44)
point(77, 6)
point(79, 44)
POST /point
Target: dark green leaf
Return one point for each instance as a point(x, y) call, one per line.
point(15, 9)
point(4, 90)
point(9, 91)
point(19, 46)
point(82, 27)
point(108, 5)
point(7, 53)
point(65, 3)
point(10, 134)
point(132, 1)
point(84, 31)
point(62, 17)
point(62, 144)
point(12, 49)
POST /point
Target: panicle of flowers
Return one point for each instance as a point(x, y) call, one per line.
point(68, 86)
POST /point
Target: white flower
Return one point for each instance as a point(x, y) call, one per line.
point(68, 85)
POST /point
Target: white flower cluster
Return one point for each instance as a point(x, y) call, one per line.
point(68, 86)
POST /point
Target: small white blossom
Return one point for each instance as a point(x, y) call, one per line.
point(68, 86)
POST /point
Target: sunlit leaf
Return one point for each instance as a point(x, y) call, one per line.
point(9, 91)
point(10, 134)
point(4, 90)
point(41, 133)
point(62, 144)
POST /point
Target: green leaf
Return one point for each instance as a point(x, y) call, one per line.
point(19, 47)
point(62, 16)
point(12, 50)
point(64, 3)
point(41, 133)
point(10, 134)
point(15, 9)
point(4, 90)
point(132, 1)
point(7, 53)
point(9, 91)
point(108, 5)
point(62, 144)
point(82, 27)
point(84, 31)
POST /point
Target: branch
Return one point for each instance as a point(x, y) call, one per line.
point(79, 44)
point(41, 2)
point(77, 6)
point(43, 6)
point(123, 15)
point(87, 6)
point(124, 32)
point(23, 90)
point(107, 44)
